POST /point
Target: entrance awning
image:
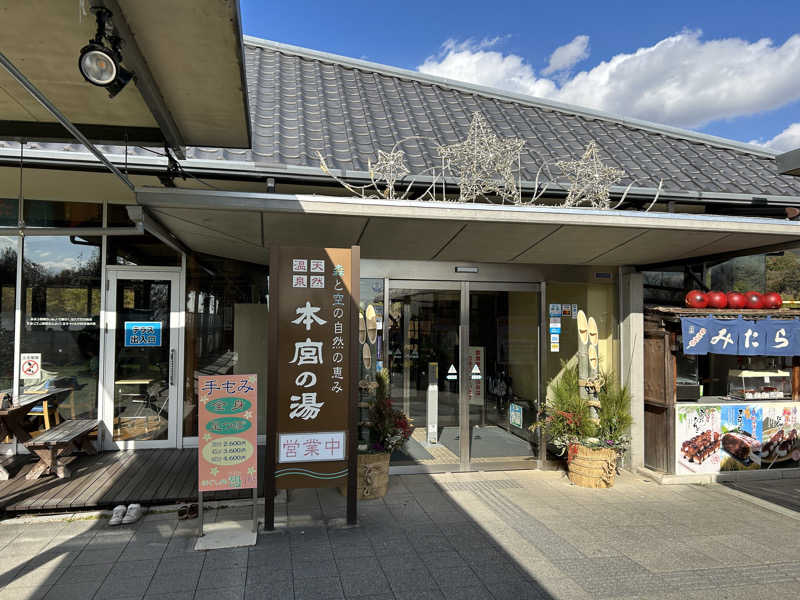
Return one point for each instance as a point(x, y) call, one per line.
point(243, 225)
point(186, 56)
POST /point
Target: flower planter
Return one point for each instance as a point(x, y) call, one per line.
point(373, 476)
point(591, 467)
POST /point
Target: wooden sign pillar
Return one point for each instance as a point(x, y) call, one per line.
point(313, 372)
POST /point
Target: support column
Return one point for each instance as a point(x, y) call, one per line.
point(632, 359)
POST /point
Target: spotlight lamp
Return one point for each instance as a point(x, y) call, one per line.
point(99, 61)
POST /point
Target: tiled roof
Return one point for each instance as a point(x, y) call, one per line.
point(303, 102)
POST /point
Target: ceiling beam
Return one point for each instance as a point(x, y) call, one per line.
point(101, 134)
point(145, 82)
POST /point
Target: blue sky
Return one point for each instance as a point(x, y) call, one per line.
point(727, 68)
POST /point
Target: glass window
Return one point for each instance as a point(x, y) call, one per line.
point(370, 337)
point(61, 316)
point(46, 213)
point(9, 207)
point(226, 327)
point(141, 250)
point(8, 283)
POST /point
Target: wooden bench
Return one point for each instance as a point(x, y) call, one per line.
point(56, 444)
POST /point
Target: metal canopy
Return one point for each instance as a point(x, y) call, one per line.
point(189, 73)
point(243, 225)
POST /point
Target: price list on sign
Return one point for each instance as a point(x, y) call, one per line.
point(227, 418)
point(311, 296)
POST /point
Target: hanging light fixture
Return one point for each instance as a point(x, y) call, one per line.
point(99, 61)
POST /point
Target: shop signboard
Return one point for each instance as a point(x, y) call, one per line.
point(780, 445)
point(740, 437)
point(736, 437)
point(515, 415)
point(227, 417)
point(741, 337)
point(697, 443)
point(310, 417)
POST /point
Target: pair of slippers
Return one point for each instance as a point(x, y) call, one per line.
point(187, 512)
point(122, 515)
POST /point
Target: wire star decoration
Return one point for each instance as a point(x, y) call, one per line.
point(590, 179)
point(485, 163)
point(389, 168)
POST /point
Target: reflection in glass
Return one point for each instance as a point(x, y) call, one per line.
point(370, 337)
point(8, 285)
point(503, 384)
point(226, 327)
point(141, 370)
point(47, 213)
point(423, 346)
point(140, 250)
point(61, 315)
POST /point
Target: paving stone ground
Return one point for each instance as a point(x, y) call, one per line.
point(499, 535)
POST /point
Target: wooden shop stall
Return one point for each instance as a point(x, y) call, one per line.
point(722, 389)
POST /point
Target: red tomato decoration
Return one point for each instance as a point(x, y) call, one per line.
point(717, 299)
point(696, 299)
point(736, 300)
point(754, 299)
point(772, 300)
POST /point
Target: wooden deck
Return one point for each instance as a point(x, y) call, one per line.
point(149, 477)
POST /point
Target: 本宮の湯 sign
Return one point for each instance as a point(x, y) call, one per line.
point(143, 334)
point(312, 355)
point(227, 418)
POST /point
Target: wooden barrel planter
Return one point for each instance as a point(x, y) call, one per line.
point(592, 467)
point(373, 476)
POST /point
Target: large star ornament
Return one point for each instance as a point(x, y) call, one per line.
point(590, 179)
point(484, 163)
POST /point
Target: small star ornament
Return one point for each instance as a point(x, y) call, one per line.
point(206, 436)
point(389, 168)
point(251, 470)
point(248, 414)
point(485, 163)
point(590, 179)
point(213, 471)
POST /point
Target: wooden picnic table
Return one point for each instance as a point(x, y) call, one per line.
point(13, 417)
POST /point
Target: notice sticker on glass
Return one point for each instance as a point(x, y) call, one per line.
point(555, 310)
point(555, 324)
point(574, 311)
point(554, 338)
point(554, 347)
point(566, 310)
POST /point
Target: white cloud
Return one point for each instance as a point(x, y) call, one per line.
point(681, 80)
point(567, 56)
point(788, 139)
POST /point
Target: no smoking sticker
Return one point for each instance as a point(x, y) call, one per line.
point(31, 365)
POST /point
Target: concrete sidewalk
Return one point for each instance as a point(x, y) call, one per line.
point(506, 535)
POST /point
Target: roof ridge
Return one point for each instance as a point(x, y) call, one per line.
point(495, 93)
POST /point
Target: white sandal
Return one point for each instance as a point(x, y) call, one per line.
point(117, 515)
point(132, 514)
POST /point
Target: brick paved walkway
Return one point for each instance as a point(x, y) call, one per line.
point(472, 536)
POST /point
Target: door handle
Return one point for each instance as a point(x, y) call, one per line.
point(172, 367)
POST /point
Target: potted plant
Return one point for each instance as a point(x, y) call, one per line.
point(389, 429)
point(568, 423)
point(615, 417)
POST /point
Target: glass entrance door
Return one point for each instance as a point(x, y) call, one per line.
point(502, 373)
point(423, 352)
point(141, 349)
point(464, 366)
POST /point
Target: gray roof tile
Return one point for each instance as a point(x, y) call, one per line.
point(303, 102)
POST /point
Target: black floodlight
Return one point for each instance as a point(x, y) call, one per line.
point(99, 61)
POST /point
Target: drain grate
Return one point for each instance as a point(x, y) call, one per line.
point(480, 486)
